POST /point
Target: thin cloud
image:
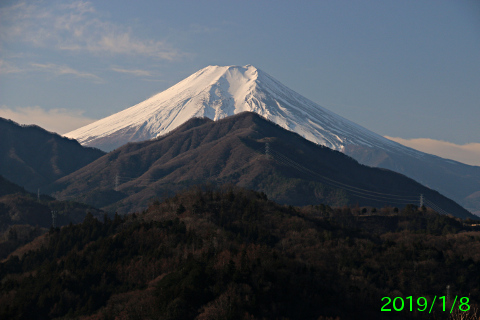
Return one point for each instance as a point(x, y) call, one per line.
point(55, 120)
point(65, 70)
point(134, 72)
point(76, 27)
point(6, 67)
point(468, 153)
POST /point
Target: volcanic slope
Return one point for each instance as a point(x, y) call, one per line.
point(216, 92)
point(246, 150)
point(219, 91)
point(33, 157)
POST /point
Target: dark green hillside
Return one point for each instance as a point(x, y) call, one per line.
point(233, 254)
point(233, 150)
point(33, 157)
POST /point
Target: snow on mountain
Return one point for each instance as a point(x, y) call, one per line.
point(220, 91)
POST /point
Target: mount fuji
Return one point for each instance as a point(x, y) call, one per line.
point(217, 92)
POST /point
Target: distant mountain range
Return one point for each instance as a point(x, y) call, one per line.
point(33, 157)
point(245, 150)
point(216, 92)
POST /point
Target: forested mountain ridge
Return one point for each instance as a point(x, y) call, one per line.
point(33, 157)
point(217, 92)
point(245, 150)
point(230, 253)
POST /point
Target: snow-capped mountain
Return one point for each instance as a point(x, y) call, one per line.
point(217, 92)
point(220, 91)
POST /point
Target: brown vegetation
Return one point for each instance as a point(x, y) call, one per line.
point(232, 150)
point(233, 254)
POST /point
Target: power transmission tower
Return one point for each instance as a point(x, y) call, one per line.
point(116, 182)
point(267, 150)
point(54, 219)
point(421, 200)
point(38, 194)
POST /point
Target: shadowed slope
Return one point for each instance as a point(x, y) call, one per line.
point(232, 150)
point(33, 157)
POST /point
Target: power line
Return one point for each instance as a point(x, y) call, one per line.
point(359, 192)
point(435, 207)
point(286, 161)
point(349, 186)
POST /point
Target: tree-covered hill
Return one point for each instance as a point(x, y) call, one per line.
point(24, 216)
point(230, 253)
point(245, 150)
point(33, 157)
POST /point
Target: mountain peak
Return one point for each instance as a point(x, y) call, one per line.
point(234, 74)
point(216, 92)
point(232, 67)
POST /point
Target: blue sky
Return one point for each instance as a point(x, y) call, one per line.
point(404, 69)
